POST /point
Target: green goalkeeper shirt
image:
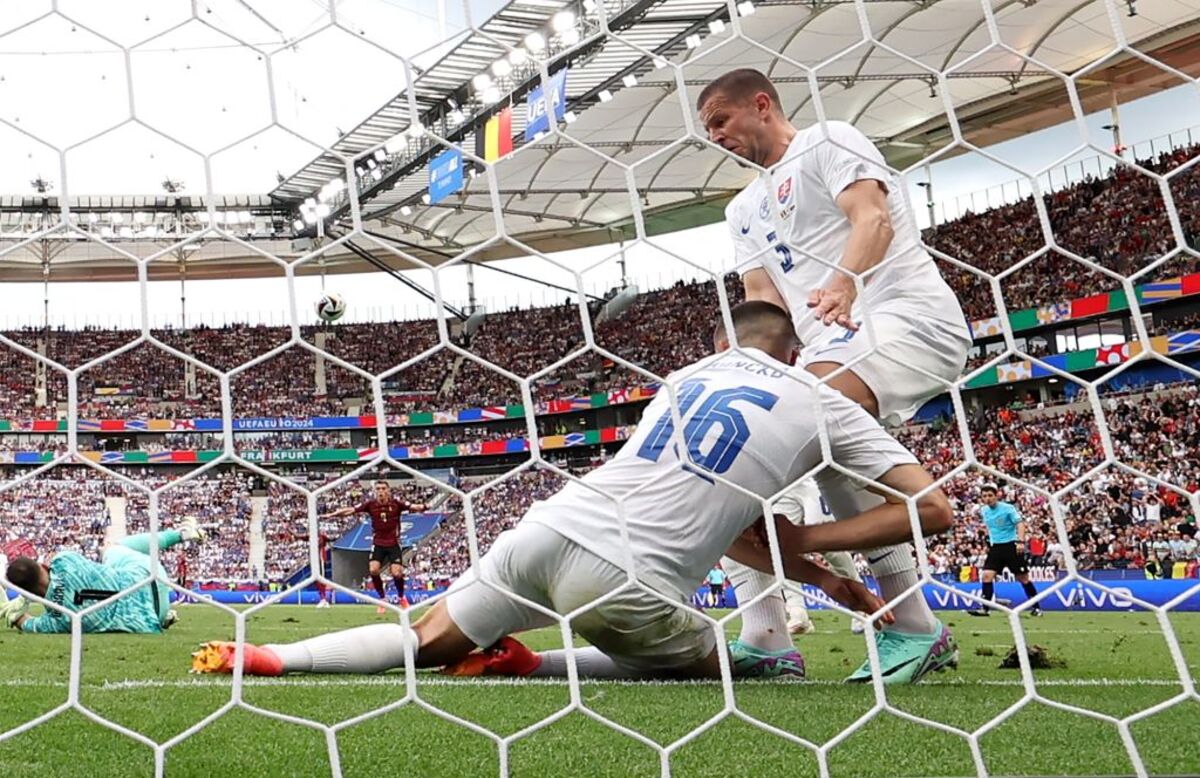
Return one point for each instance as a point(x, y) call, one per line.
point(77, 583)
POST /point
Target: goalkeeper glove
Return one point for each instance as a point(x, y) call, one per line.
point(13, 610)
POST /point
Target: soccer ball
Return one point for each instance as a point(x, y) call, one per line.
point(330, 306)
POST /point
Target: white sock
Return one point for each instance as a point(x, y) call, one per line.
point(370, 649)
point(794, 606)
point(590, 661)
point(892, 566)
point(764, 624)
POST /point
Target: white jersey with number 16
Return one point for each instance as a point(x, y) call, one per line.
point(750, 421)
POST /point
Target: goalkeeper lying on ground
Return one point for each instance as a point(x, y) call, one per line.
point(75, 582)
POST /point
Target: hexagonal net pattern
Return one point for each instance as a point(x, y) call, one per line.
point(636, 172)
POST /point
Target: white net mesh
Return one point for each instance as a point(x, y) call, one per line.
point(878, 65)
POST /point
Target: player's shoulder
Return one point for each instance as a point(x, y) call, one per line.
point(744, 202)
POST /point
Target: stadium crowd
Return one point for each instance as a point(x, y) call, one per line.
point(1119, 221)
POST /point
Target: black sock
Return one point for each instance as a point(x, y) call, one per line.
point(1030, 589)
point(989, 590)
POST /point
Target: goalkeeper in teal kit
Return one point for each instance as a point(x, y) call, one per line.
point(75, 582)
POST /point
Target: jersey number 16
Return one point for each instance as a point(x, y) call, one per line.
point(715, 411)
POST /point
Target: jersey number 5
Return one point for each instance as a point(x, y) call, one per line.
point(716, 411)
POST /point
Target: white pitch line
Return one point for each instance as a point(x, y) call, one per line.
point(397, 681)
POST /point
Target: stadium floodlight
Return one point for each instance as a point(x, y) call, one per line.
point(518, 56)
point(456, 117)
point(491, 95)
point(298, 225)
point(323, 210)
point(377, 174)
point(415, 130)
point(425, 198)
point(562, 21)
point(629, 80)
point(93, 217)
point(535, 42)
point(141, 217)
point(569, 36)
point(716, 26)
point(405, 210)
point(604, 95)
point(380, 155)
point(246, 216)
point(116, 218)
point(745, 8)
point(501, 67)
point(126, 232)
point(481, 81)
point(692, 41)
point(311, 202)
point(569, 117)
point(589, 6)
point(659, 63)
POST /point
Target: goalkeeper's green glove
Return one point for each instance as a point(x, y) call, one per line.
point(13, 610)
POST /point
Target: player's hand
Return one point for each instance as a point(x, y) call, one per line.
point(832, 304)
point(856, 596)
point(1020, 548)
point(13, 610)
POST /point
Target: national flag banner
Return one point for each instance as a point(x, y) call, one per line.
point(516, 445)
point(1188, 340)
point(367, 421)
point(1190, 284)
point(574, 439)
point(186, 456)
point(1014, 371)
point(112, 425)
point(983, 328)
point(5, 425)
point(618, 396)
point(494, 139)
point(553, 441)
point(608, 435)
point(183, 424)
point(494, 412)
point(367, 452)
point(1024, 319)
point(160, 425)
point(140, 425)
point(420, 451)
point(1089, 306)
point(444, 417)
point(1161, 290)
point(44, 425)
point(1112, 355)
point(1049, 314)
point(558, 406)
point(89, 425)
point(580, 403)
point(420, 418)
point(160, 457)
point(447, 450)
point(494, 447)
point(111, 456)
point(470, 414)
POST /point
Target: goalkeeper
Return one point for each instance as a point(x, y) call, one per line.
point(74, 582)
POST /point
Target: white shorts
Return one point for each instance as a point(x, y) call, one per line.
point(634, 629)
point(909, 334)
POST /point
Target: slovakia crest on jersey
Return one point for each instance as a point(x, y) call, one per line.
point(764, 209)
point(784, 195)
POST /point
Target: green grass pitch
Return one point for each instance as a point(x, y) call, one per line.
point(1116, 663)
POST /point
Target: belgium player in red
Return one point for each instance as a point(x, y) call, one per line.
point(385, 510)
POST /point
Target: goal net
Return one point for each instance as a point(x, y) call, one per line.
point(1042, 150)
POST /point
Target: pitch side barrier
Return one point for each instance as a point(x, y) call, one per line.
point(1118, 594)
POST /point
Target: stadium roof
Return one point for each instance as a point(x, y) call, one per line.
point(628, 110)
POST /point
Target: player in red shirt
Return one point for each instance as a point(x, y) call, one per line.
point(385, 510)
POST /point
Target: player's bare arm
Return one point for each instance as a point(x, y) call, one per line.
point(852, 594)
point(865, 204)
point(338, 514)
point(759, 286)
point(883, 525)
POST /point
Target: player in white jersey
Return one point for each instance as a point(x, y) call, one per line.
point(748, 421)
point(827, 210)
point(803, 505)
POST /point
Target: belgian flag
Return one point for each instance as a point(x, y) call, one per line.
point(494, 139)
